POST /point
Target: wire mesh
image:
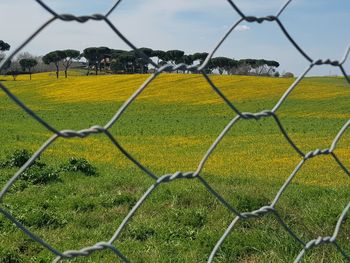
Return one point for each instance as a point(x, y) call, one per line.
point(272, 113)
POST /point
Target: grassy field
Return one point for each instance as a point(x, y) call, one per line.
point(169, 128)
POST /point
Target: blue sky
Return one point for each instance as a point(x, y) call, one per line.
point(320, 27)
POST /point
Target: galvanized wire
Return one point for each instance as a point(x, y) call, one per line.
point(241, 116)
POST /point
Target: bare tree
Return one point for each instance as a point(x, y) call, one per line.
point(14, 69)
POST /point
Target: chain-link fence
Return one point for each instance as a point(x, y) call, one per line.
point(241, 116)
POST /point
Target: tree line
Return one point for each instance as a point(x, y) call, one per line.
point(130, 62)
point(113, 61)
point(26, 63)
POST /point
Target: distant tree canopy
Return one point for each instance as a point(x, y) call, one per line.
point(147, 51)
point(187, 59)
point(257, 67)
point(54, 57)
point(129, 62)
point(174, 56)
point(68, 56)
point(28, 64)
point(95, 56)
point(288, 75)
point(200, 57)
point(65, 56)
point(4, 46)
point(221, 64)
point(160, 55)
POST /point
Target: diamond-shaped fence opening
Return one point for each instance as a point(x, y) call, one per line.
point(244, 159)
point(168, 138)
point(302, 116)
point(238, 217)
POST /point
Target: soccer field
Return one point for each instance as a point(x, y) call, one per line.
point(169, 128)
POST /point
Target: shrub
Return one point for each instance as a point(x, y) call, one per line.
point(38, 174)
point(79, 165)
point(288, 75)
point(18, 158)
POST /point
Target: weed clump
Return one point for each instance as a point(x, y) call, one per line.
point(80, 165)
point(17, 159)
point(36, 173)
point(40, 174)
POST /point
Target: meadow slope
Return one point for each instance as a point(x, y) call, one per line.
point(168, 128)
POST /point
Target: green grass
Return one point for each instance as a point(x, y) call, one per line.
point(168, 129)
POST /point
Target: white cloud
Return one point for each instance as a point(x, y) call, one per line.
point(241, 28)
